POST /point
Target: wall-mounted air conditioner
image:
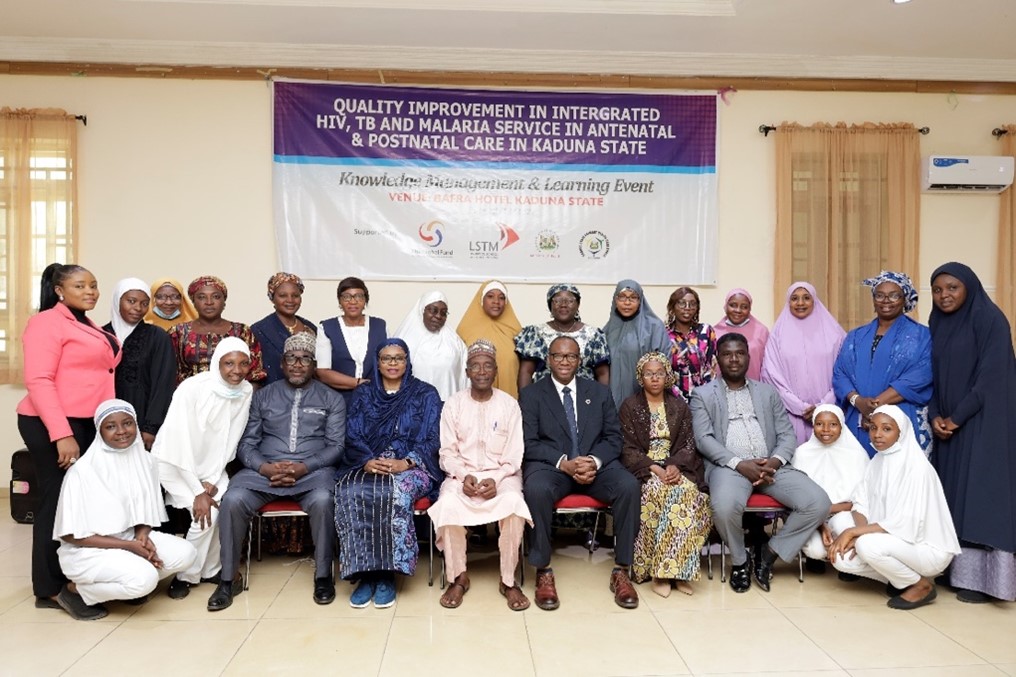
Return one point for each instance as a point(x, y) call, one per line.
point(966, 173)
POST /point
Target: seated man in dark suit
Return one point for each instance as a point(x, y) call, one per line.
point(743, 431)
point(293, 441)
point(573, 445)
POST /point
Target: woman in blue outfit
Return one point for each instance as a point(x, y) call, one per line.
point(285, 291)
point(887, 361)
point(391, 461)
point(346, 345)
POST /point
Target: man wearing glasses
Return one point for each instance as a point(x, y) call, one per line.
point(294, 439)
point(573, 446)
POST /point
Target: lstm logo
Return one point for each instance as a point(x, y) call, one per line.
point(432, 234)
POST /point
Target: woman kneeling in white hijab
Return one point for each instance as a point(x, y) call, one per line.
point(109, 502)
point(206, 418)
point(836, 462)
point(904, 534)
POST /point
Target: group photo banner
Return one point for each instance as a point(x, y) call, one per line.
point(423, 183)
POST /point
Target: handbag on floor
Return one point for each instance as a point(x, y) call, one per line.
point(24, 492)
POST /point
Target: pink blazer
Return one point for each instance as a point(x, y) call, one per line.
point(68, 369)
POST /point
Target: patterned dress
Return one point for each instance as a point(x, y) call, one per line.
point(693, 358)
point(533, 343)
point(194, 350)
point(675, 519)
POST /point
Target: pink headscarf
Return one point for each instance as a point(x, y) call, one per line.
point(752, 329)
point(799, 359)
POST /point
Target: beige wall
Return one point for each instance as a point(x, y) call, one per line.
point(175, 179)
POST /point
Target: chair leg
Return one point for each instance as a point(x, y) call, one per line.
point(723, 561)
point(522, 561)
point(250, 534)
point(596, 530)
point(259, 520)
point(709, 560)
point(800, 566)
point(430, 565)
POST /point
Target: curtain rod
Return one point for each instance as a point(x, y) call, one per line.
point(765, 129)
point(998, 132)
point(83, 118)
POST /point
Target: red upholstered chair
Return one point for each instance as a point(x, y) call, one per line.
point(773, 509)
point(420, 508)
point(569, 505)
point(282, 507)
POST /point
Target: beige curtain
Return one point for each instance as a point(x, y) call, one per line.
point(1005, 293)
point(38, 198)
point(847, 206)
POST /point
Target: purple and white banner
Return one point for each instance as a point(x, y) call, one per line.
point(405, 183)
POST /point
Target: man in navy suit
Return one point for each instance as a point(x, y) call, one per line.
point(573, 446)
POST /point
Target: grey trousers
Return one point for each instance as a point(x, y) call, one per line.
point(238, 506)
point(729, 491)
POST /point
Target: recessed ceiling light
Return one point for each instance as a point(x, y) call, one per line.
point(899, 2)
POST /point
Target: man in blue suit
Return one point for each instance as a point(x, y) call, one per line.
point(573, 446)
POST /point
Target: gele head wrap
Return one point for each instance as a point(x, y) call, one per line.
point(901, 280)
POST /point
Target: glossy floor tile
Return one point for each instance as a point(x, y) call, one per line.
point(822, 627)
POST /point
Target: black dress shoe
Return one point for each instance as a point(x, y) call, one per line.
point(740, 577)
point(848, 578)
point(324, 590)
point(178, 589)
point(222, 598)
point(763, 571)
point(814, 566)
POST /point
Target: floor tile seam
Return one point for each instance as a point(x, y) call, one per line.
point(97, 643)
point(687, 665)
point(950, 637)
point(242, 644)
point(812, 639)
point(388, 638)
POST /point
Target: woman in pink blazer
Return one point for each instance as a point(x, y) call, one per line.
point(69, 365)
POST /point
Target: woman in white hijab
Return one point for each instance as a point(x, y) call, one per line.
point(903, 531)
point(439, 355)
point(836, 462)
point(203, 426)
point(109, 502)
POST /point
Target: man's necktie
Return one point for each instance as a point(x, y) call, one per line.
point(569, 412)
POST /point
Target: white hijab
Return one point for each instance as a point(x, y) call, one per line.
point(120, 326)
point(203, 426)
point(836, 467)
point(439, 359)
point(902, 493)
point(108, 491)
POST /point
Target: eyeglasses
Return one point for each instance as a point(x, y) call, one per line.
point(892, 296)
point(305, 360)
point(653, 375)
point(481, 368)
point(168, 297)
point(687, 305)
point(565, 357)
point(352, 297)
point(563, 302)
point(392, 359)
point(628, 298)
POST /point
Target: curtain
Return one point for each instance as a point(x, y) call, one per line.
point(847, 206)
point(1005, 292)
point(38, 198)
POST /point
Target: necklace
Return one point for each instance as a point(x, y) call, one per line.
point(291, 327)
point(570, 328)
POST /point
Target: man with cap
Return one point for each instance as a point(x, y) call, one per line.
point(294, 440)
point(481, 454)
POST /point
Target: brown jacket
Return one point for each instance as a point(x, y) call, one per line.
point(635, 427)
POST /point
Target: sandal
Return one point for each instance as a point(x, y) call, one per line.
point(517, 600)
point(453, 601)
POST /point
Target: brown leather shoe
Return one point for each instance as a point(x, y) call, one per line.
point(546, 591)
point(625, 595)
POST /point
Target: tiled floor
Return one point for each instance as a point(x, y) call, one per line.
point(821, 627)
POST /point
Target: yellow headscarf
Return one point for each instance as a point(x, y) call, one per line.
point(187, 310)
point(501, 332)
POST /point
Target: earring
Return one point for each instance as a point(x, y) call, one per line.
point(60, 297)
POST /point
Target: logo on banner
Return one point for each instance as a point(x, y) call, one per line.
point(431, 234)
point(547, 242)
point(491, 249)
point(594, 245)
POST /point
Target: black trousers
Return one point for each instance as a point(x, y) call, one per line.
point(47, 578)
point(543, 487)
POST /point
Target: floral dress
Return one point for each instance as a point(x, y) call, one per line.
point(194, 350)
point(675, 519)
point(533, 343)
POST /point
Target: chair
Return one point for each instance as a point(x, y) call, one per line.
point(570, 505)
point(763, 505)
point(420, 508)
point(280, 507)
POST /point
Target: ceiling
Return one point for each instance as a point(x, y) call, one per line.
point(965, 40)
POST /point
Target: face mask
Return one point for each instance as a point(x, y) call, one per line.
point(158, 311)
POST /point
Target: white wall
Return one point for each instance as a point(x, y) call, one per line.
point(175, 179)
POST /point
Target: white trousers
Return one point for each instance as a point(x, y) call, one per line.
point(451, 539)
point(104, 574)
point(837, 524)
point(206, 542)
point(888, 558)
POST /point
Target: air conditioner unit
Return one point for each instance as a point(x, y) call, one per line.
point(966, 174)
